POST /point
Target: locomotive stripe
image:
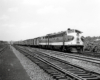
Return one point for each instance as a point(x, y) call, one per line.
point(60, 43)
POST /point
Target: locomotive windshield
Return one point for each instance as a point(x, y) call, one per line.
point(71, 30)
point(74, 31)
point(77, 31)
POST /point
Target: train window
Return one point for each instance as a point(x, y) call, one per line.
point(77, 31)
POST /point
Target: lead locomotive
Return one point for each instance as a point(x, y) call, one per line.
point(70, 40)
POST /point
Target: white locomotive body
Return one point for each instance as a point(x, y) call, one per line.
point(67, 40)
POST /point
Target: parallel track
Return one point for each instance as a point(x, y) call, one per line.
point(59, 69)
point(2, 50)
point(89, 63)
point(94, 61)
point(77, 56)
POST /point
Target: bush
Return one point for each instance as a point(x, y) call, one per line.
point(92, 44)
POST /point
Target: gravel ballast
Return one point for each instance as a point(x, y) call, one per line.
point(80, 63)
point(34, 71)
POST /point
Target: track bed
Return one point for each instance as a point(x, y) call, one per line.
point(58, 68)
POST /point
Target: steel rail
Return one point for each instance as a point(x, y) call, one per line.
point(70, 71)
point(3, 49)
point(75, 56)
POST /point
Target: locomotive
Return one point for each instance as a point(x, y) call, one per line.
point(69, 40)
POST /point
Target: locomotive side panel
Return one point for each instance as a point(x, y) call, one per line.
point(43, 42)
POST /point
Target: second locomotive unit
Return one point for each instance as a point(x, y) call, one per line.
point(70, 40)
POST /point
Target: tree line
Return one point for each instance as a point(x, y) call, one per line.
point(92, 44)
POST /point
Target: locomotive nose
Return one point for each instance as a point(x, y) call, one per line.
point(82, 38)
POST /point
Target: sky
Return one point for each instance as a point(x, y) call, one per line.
point(26, 19)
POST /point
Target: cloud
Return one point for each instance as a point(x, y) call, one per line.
point(13, 9)
point(4, 17)
point(9, 25)
point(32, 2)
point(51, 10)
point(28, 24)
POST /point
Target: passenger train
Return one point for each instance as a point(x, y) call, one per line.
point(70, 40)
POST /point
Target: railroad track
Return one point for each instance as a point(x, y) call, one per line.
point(58, 68)
point(86, 62)
point(76, 56)
point(3, 49)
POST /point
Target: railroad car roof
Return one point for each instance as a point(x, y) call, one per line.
point(56, 34)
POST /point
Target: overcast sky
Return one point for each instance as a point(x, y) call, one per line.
point(25, 19)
